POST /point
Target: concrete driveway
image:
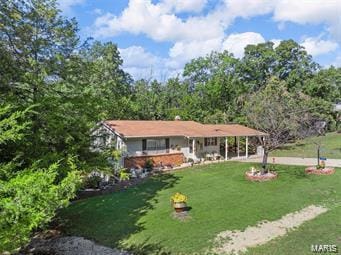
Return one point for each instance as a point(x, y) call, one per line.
point(294, 161)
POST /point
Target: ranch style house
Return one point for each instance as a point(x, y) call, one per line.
point(171, 142)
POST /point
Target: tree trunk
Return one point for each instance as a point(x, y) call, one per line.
point(265, 160)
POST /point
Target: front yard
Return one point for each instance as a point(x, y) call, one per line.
point(221, 199)
point(306, 148)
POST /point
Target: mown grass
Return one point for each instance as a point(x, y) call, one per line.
point(307, 148)
point(220, 198)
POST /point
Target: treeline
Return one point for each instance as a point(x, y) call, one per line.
point(54, 88)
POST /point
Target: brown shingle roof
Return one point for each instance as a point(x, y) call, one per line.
point(158, 128)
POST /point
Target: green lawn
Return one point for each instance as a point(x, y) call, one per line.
point(306, 148)
point(140, 218)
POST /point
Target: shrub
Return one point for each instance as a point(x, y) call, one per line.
point(124, 175)
point(92, 182)
point(149, 164)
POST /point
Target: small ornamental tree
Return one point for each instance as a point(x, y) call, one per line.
point(284, 116)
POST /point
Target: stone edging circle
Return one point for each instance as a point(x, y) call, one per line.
point(260, 178)
point(324, 171)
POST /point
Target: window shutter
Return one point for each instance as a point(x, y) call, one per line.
point(144, 144)
point(167, 143)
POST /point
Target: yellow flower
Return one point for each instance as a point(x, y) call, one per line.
point(179, 198)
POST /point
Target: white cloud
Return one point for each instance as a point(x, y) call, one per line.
point(337, 61)
point(182, 51)
point(236, 43)
point(136, 56)
point(316, 46)
point(198, 34)
point(311, 12)
point(98, 11)
point(159, 23)
point(184, 6)
point(276, 42)
point(249, 8)
point(65, 5)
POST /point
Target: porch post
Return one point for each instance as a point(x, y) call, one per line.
point(226, 148)
point(238, 138)
point(193, 146)
point(246, 146)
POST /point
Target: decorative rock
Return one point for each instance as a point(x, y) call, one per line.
point(260, 177)
point(323, 171)
point(70, 245)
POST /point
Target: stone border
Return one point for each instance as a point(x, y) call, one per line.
point(261, 178)
point(324, 171)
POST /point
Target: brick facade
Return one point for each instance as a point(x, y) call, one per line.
point(173, 159)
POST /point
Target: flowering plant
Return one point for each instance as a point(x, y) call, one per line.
point(179, 198)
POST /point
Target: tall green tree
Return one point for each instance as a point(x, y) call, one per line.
point(294, 64)
point(28, 197)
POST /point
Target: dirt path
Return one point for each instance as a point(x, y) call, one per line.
point(294, 161)
point(238, 241)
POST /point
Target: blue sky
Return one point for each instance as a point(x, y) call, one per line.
point(157, 38)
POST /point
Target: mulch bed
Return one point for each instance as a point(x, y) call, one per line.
point(262, 177)
point(323, 171)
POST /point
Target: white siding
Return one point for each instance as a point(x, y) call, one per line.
point(182, 142)
point(134, 145)
point(103, 137)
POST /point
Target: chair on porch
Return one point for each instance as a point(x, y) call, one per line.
point(216, 156)
point(209, 156)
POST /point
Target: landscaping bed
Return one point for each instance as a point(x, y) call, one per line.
point(319, 171)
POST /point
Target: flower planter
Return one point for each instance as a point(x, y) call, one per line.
point(180, 206)
point(260, 177)
point(322, 171)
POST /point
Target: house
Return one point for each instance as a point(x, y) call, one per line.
point(169, 142)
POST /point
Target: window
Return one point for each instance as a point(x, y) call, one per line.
point(155, 144)
point(211, 141)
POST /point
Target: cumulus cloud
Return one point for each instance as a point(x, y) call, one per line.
point(184, 6)
point(137, 56)
point(184, 51)
point(311, 12)
point(276, 42)
point(201, 32)
point(236, 43)
point(157, 22)
point(141, 63)
point(316, 46)
point(66, 5)
point(160, 22)
point(249, 8)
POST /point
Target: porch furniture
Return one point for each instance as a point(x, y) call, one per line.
point(216, 156)
point(209, 156)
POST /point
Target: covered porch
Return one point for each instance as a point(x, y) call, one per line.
point(223, 148)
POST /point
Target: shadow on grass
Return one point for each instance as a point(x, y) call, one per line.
point(147, 249)
point(110, 219)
